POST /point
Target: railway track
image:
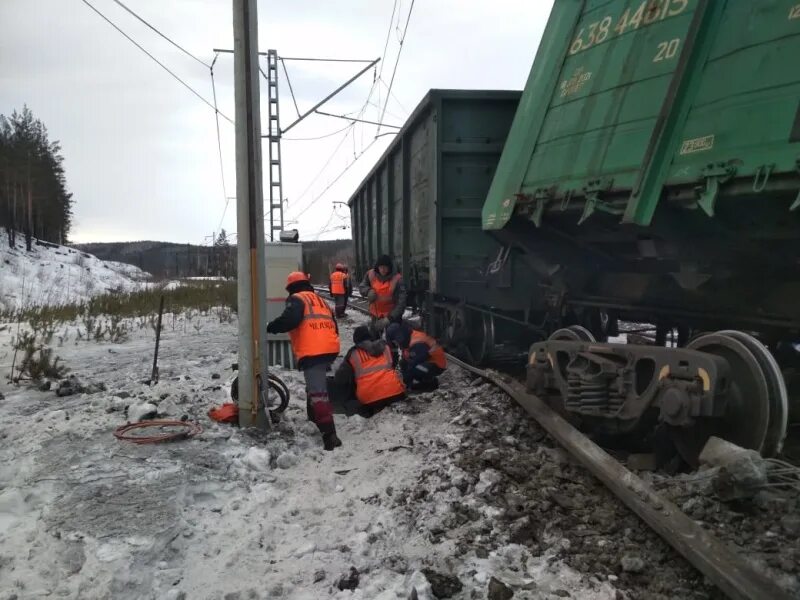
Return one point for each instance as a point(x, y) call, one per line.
point(730, 571)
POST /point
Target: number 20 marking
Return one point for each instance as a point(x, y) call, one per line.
point(667, 50)
point(794, 12)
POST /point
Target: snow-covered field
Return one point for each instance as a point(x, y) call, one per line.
point(231, 514)
point(55, 275)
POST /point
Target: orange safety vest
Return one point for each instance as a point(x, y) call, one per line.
point(437, 352)
point(316, 333)
point(384, 304)
point(337, 283)
point(375, 376)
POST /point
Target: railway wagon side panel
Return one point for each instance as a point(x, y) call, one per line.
point(593, 100)
point(395, 185)
point(654, 162)
point(421, 202)
point(472, 133)
point(421, 197)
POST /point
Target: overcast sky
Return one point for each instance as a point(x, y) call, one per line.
point(141, 151)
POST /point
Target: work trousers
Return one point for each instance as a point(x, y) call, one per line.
point(423, 376)
point(318, 405)
point(340, 301)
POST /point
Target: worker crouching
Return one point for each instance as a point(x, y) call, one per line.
point(384, 289)
point(315, 342)
point(341, 288)
point(368, 372)
point(423, 359)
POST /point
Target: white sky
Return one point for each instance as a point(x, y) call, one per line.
point(141, 151)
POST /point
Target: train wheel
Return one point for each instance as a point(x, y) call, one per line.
point(480, 341)
point(778, 395)
point(746, 420)
point(573, 333)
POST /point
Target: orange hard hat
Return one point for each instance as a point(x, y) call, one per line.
point(296, 276)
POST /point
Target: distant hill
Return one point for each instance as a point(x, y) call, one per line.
point(167, 259)
point(50, 274)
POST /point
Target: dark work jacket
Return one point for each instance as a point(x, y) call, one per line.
point(400, 294)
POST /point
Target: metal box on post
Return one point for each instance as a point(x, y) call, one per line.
point(282, 259)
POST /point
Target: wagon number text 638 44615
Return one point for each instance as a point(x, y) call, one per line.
point(647, 13)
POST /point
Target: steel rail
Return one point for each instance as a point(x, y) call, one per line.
point(728, 570)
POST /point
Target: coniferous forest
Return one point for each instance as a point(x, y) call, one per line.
point(33, 189)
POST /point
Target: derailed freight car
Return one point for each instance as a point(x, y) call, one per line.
point(422, 202)
point(653, 173)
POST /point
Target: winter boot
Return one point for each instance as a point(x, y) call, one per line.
point(424, 386)
point(330, 440)
point(323, 417)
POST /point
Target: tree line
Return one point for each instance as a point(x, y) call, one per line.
point(33, 187)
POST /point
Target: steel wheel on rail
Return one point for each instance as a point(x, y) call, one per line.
point(778, 395)
point(480, 337)
point(746, 421)
point(573, 333)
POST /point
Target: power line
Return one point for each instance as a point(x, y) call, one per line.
point(178, 46)
point(319, 137)
point(396, 62)
point(349, 127)
point(336, 179)
point(158, 62)
point(354, 119)
point(325, 166)
point(394, 97)
point(219, 141)
point(291, 89)
point(388, 33)
point(317, 59)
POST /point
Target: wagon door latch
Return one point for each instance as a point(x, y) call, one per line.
point(796, 204)
point(715, 175)
point(593, 192)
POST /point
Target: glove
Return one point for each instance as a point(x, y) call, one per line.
point(372, 296)
point(381, 324)
point(271, 327)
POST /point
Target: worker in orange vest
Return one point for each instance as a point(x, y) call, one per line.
point(368, 372)
point(384, 289)
point(314, 334)
point(340, 288)
point(423, 359)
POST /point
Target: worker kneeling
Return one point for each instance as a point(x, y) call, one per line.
point(423, 358)
point(315, 341)
point(368, 368)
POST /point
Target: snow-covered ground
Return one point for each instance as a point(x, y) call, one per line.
point(55, 275)
point(411, 500)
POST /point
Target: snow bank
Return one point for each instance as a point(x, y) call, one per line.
point(53, 275)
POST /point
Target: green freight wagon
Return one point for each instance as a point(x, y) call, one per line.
point(421, 203)
point(652, 173)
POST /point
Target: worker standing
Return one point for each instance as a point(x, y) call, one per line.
point(340, 288)
point(423, 359)
point(315, 341)
point(384, 289)
point(348, 286)
point(368, 372)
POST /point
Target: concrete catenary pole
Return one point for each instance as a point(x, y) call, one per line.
point(252, 291)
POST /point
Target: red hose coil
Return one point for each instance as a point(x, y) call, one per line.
point(190, 430)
